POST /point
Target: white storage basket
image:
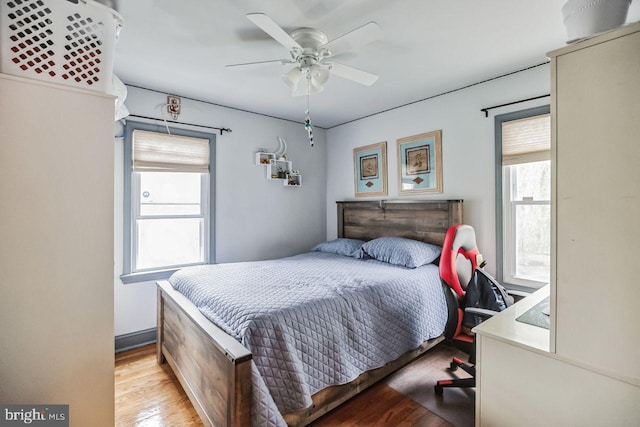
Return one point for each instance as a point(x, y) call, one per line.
point(62, 41)
point(584, 18)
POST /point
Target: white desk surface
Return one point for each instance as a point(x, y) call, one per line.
point(505, 327)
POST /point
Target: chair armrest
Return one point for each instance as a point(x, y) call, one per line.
point(480, 312)
point(522, 294)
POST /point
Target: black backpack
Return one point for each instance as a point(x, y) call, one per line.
point(484, 292)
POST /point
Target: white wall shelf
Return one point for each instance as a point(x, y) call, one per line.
point(279, 169)
point(292, 180)
point(263, 158)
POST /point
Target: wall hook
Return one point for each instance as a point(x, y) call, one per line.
point(174, 105)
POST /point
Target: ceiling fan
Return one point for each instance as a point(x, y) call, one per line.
point(311, 52)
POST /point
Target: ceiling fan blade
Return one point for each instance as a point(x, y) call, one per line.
point(359, 37)
point(268, 26)
point(271, 61)
point(358, 76)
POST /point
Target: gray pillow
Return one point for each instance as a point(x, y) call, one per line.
point(400, 251)
point(341, 246)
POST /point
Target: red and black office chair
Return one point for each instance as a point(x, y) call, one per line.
point(472, 296)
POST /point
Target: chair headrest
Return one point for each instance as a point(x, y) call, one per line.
point(460, 257)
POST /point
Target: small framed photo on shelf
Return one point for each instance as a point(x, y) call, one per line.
point(370, 170)
point(420, 163)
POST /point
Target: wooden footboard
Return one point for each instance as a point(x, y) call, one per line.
point(213, 368)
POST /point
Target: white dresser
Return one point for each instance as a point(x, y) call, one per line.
point(585, 370)
point(56, 249)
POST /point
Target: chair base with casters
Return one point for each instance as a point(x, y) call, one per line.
point(457, 382)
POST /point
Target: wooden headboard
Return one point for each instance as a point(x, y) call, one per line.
point(427, 221)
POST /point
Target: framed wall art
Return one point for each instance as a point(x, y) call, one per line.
point(370, 170)
point(420, 163)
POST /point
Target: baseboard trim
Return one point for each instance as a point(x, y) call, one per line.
point(135, 339)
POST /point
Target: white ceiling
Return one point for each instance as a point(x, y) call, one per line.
point(426, 47)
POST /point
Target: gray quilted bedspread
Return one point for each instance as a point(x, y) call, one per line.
point(316, 319)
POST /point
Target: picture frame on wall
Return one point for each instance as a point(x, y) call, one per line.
point(370, 170)
point(420, 163)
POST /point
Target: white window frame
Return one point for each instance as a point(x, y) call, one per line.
point(505, 217)
point(136, 215)
point(132, 212)
point(509, 219)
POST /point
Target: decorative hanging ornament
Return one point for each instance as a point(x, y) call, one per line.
point(307, 121)
point(309, 127)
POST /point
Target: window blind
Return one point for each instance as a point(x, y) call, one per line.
point(159, 152)
point(526, 140)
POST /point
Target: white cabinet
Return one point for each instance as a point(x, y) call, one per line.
point(596, 170)
point(520, 383)
point(56, 248)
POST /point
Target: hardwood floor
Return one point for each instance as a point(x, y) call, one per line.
point(381, 406)
point(148, 394)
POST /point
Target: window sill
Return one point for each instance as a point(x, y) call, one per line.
point(147, 276)
point(530, 287)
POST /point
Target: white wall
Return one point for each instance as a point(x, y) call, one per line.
point(255, 218)
point(259, 219)
point(468, 141)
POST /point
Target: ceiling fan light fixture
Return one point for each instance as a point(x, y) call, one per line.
point(319, 75)
point(306, 87)
point(314, 88)
point(306, 80)
point(292, 78)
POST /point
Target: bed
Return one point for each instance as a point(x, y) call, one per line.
point(219, 374)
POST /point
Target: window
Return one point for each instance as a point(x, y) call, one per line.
point(524, 197)
point(168, 193)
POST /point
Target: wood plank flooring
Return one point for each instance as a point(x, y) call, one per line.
point(381, 406)
point(148, 394)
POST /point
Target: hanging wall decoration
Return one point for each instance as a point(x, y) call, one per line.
point(370, 170)
point(420, 163)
